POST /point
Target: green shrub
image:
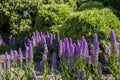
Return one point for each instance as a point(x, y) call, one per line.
point(50, 15)
point(90, 5)
point(18, 16)
point(88, 22)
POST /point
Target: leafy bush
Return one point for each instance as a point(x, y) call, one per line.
point(90, 5)
point(18, 16)
point(87, 22)
point(50, 15)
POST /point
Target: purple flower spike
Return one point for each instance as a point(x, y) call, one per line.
point(82, 74)
point(63, 48)
point(72, 50)
point(70, 65)
point(63, 51)
point(30, 51)
point(12, 54)
point(76, 50)
point(11, 40)
point(96, 44)
point(89, 60)
point(60, 47)
point(78, 43)
point(51, 39)
point(78, 73)
point(57, 37)
point(34, 76)
point(85, 49)
point(105, 58)
point(53, 61)
point(93, 53)
point(33, 41)
point(27, 53)
point(25, 40)
point(107, 49)
point(15, 55)
point(20, 53)
point(45, 48)
point(6, 56)
point(99, 68)
point(44, 57)
point(7, 60)
point(81, 40)
point(113, 39)
point(71, 42)
point(67, 48)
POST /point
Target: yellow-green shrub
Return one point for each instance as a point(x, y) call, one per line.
point(50, 15)
point(88, 22)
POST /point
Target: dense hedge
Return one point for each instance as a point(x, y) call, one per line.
point(89, 22)
point(18, 16)
point(50, 15)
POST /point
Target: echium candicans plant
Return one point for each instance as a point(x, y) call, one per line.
point(60, 48)
point(7, 60)
point(97, 75)
point(107, 49)
point(7, 68)
point(45, 54)
point(113, 57)
point(74, 57)
point(113, 39)
point(53, 65)
point(95, 58)
point(82, 61)
point(20, 57)
point(57, 37)
point(96, 46)
point(29, 66)
point(11, 40)
point(81, 75)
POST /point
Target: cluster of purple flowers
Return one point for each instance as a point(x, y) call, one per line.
point(11, 40)
point(67, 49)
point(79, 49)
point(11, 57)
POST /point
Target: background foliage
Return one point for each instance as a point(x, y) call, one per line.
point(69, 17)
point(89, 22)
point(50, 15)
point(18, 16)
